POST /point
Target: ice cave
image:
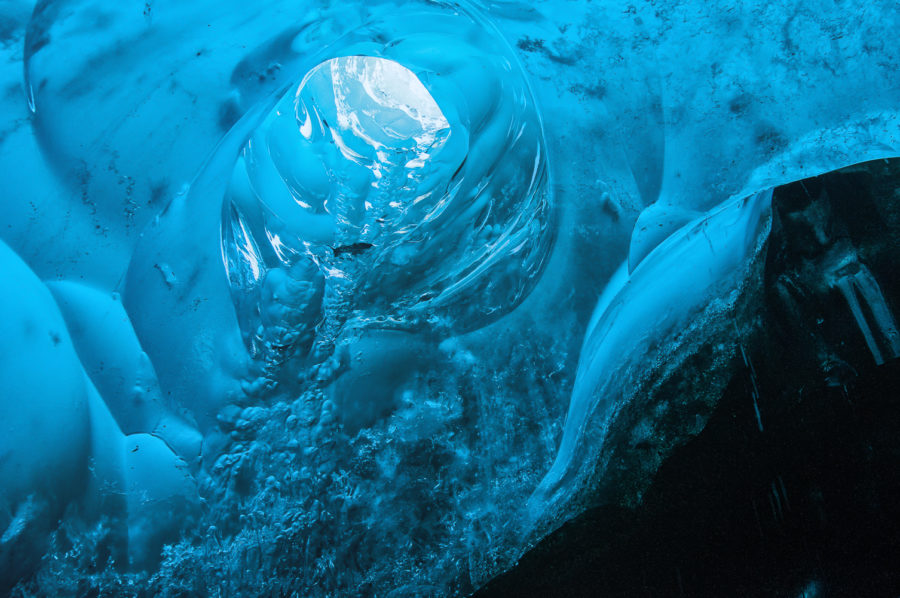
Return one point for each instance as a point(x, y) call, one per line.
point(449, 298)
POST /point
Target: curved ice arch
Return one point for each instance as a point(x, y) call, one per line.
point(696, 264)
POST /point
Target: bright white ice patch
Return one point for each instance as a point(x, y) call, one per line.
point(373, 89)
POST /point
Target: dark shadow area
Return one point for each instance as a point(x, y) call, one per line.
point(805, 499)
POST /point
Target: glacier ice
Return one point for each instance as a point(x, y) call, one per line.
point(112, 357)
point(409, 191)
point(338, 271)
point(46, 441)
point(707, 258)
point(62, 445)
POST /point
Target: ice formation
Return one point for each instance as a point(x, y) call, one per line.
point(705, 259)
point(860, 289)
point(318, 282)
point(63, 445)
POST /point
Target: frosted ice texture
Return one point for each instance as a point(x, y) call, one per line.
point(375, 392)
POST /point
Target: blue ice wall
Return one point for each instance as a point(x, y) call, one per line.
point(340, 298)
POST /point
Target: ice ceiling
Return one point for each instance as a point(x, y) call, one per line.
point(342, 298)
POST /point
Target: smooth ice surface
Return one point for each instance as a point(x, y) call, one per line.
point(45, 447)
point(61, 446)
point(343, 269)
point(706, 259)
point(405, 210)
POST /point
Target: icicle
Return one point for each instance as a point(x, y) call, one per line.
point(755, 393)
point(879, 329)
point(787, 502)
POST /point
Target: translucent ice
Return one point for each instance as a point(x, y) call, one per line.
point(63, 452)
point(870, 310)
point(637, 312)
point(411, 180)
point(356, 264)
